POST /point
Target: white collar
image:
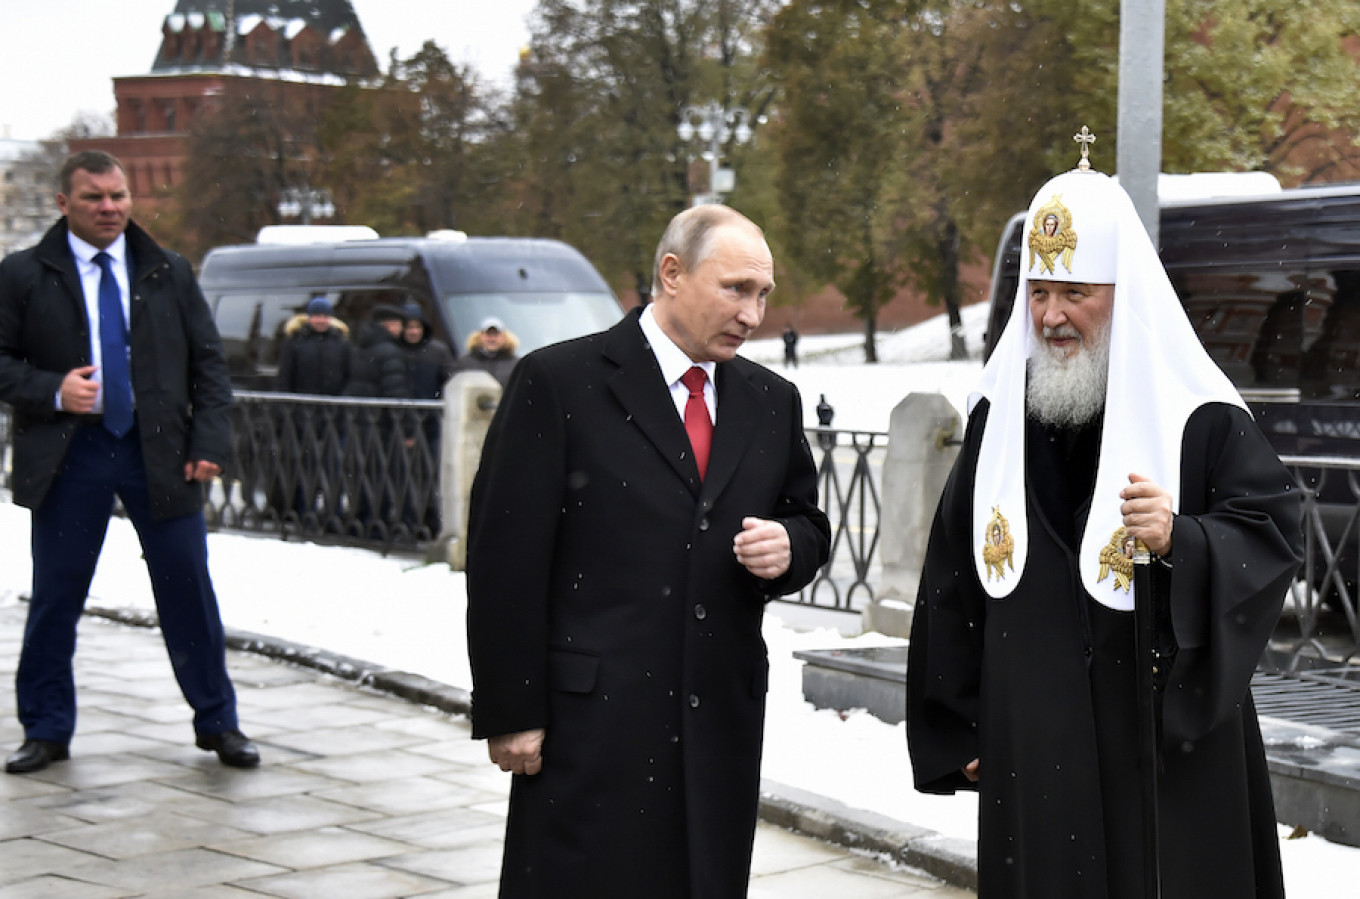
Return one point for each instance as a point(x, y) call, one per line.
point(85, 251)
point(674, 362)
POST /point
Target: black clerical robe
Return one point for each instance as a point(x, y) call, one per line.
point(1038, 685)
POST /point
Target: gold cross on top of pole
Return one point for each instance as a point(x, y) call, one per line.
point(1085, 138)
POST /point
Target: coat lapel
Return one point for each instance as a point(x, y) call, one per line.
point(55, 251)
point(646, 398)
point(143, 256)
point(738, 411)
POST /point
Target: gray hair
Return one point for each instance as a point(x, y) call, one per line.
point(687, 237)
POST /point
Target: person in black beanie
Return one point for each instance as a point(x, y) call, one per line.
point(316, 356)
point(379, 367)
point(428, 358)
point(380, 370)
point(430, 362)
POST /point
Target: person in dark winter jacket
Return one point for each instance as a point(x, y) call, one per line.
point(379, 365)
point(315, 359)
point(491, 349)
point(114, 373)
point(316, 355)
point(429, 359)
point(379, 370)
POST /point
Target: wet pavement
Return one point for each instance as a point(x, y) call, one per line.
point(362, 794)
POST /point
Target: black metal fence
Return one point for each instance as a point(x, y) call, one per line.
point(849, 474)
point(355, 471)
point(349, 470)
point(367, 473)
point(1323, 600)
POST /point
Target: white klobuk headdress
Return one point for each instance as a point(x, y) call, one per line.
point(1082, 227)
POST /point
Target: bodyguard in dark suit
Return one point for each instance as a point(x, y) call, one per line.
point(115, 373)
point(642, 493)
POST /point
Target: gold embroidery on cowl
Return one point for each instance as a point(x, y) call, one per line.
point(1117, 556)
point(998, 546)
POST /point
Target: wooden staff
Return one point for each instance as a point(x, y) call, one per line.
point(1147, 664)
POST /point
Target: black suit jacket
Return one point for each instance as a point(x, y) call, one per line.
point(179, 375)
point(605, 604)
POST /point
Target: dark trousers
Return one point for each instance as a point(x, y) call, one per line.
point(68, 534)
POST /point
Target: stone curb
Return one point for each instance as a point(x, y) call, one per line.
point(950, 860)
point(403, 684)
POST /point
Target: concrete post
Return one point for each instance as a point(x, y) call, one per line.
point(470, 400)
point(918, 463)
point(1142, 36)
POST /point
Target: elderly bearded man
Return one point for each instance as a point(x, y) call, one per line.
point(1100, 417)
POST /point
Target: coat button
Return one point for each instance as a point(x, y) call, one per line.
point(703, 523)
point(700, 612)
point(694, 700)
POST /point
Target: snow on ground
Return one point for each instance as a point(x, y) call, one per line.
point(398, 613)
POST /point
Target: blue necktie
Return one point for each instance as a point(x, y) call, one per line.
point(114, 346)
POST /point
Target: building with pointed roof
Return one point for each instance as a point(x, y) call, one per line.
point(209, 47)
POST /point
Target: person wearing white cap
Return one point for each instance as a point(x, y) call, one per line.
point(1100, 419)
point(490, 349)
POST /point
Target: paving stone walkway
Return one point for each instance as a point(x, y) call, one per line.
point(361, 795)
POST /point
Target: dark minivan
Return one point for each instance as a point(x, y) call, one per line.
point(543, 290)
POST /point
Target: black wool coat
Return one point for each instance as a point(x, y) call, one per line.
point(179, 375)
point(378, 366)
point(605, 604)
point(431, 364)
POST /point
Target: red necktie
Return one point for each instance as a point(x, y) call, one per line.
point(697, 423)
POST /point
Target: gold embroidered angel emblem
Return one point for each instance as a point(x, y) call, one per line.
point(1051, 237)
point(1117, 556)
point(998, 546)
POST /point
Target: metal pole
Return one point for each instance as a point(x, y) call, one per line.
point(716, 121)
point(1142, 27)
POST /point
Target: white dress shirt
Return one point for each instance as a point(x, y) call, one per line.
point(90, 274)
point(674, 363)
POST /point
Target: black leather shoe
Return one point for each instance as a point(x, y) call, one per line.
point(36, 755)
point(232, 747)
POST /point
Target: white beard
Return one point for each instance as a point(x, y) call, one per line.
point(1068, 392)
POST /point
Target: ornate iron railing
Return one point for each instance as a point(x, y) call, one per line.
point(366, 472)
point(849, 474)
point(1331, 566)
point(361, 471)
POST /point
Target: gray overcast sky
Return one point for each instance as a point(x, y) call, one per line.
point(59, 57)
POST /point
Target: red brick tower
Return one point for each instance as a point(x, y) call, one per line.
point(294, 45)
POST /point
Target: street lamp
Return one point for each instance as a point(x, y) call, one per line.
point(716, 126)
point(307, 203)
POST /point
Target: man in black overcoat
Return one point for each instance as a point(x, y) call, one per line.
point(98, 310)
point(622, 547)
